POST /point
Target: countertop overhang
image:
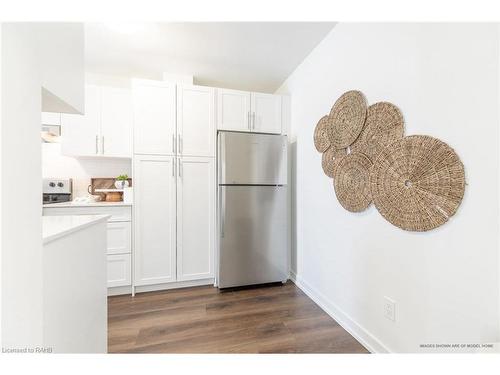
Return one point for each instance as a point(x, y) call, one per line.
point(54, 227)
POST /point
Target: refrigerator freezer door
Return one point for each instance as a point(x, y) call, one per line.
point(252, 159)
point(253, 235)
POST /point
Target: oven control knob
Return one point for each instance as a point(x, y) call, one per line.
point(60, 184)
point(52, 184)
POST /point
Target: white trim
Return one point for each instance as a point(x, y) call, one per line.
point(120, 290)
point(365, 338)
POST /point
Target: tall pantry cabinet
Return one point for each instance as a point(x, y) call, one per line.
point(174, 179)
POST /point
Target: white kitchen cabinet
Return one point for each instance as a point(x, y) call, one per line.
point(233, 110)
point(51, 118)
point(81, 133)
point(248, 112)
point(195, 218)
point(116, 122)
point(195, 121)
point(154, 219)
point(119, 237)
point(106, 127)
point(266, 113)
point(154, 117)
point(119, 270)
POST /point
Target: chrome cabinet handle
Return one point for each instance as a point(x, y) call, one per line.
point(253, 120)
point(180, 144)
point(173, 143)
point(96, 144)
point(248, 120)
point(102, 145)
point(180, 168)
point(173, 167)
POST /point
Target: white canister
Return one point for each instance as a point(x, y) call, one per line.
point(128, 195)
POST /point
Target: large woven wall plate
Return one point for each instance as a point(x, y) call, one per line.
point(384, 125)
point(346, 119)
point(321, 141)
point(330, 160)
point(352, 182)
point(417, 183)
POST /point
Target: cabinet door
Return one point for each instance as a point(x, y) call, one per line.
point(154, 219)
point(195, 121)
point(119, 238)
point(266, 113)
point(119, 270)
point(116, 122)
point(195, 218)
point(154, 117)
point(80, 133)
point(233, 110)
point(51, 118)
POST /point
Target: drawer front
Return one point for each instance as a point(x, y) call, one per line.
point(119, 237)
point(117, 213)
point(119, 270)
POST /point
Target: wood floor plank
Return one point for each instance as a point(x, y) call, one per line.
point(277, 319)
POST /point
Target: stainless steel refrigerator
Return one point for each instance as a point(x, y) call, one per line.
point(252, 212)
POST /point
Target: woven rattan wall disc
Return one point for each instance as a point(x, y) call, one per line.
point(330, 160)
point(417, 183)
point(346, 119)
point(384, 125)
point(321, 141)
point(352, 182)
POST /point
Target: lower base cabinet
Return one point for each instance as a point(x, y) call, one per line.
point(119, 270)
point(174, 218)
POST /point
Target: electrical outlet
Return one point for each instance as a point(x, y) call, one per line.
point(389, 309)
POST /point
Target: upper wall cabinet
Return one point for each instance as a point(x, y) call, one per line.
point(106, 127)
point(266, 113)
point(80, 133)
point(116, 121)
point(154, 117)
point(195, 121)
point(51, 118)
point(233, 110)
point(245, 111)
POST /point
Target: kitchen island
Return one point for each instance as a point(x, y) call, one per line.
point(74, 283)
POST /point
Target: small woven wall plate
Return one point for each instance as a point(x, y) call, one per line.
point(352, 182)
point(346, 119)
point(321, 141)
point(330, 160)
point(417, 183)
point(384, 124)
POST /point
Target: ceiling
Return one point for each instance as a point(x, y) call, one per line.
point(254, 56)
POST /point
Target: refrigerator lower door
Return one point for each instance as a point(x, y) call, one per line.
point(253, 235)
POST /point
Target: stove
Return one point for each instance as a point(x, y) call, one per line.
point(57, 190)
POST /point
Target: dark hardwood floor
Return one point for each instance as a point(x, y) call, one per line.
point(277, 319)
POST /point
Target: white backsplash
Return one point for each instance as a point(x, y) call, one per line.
point(81, 170)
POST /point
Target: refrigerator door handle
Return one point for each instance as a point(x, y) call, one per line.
point(222, 211)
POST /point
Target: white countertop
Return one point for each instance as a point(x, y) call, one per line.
point(92, 204)
point(54, 227)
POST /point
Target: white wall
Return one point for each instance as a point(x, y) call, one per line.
point(444, 78)
point(21, 192)
point(20, 199)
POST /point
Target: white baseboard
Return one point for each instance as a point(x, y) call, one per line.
point(364, 337)
point(120, 290)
